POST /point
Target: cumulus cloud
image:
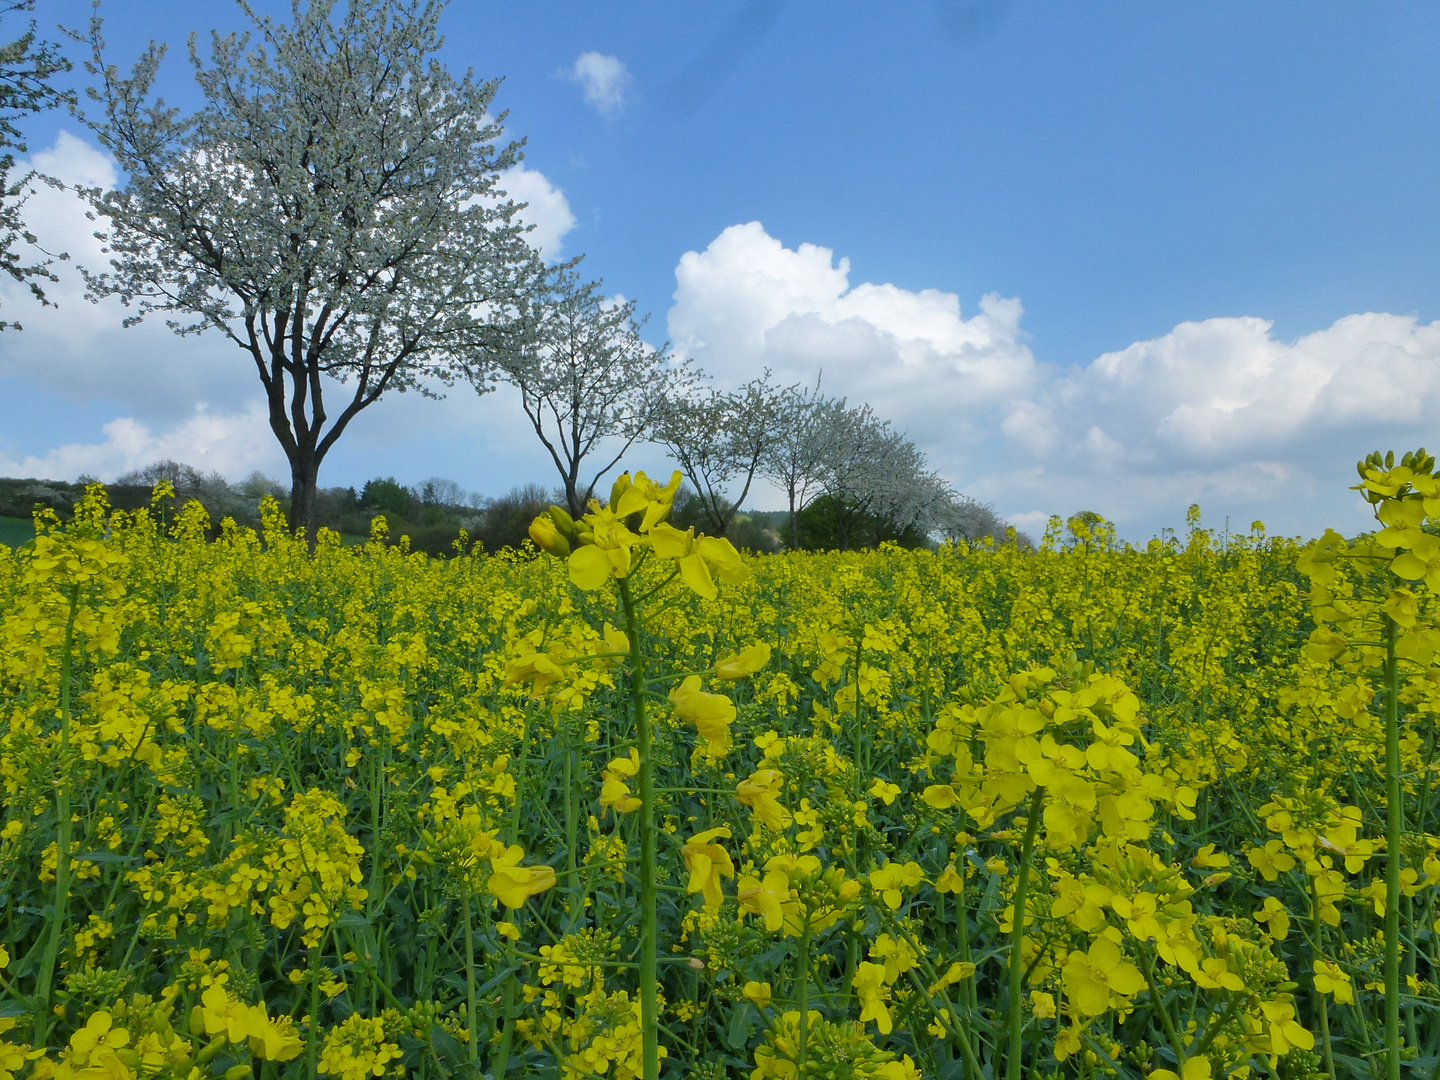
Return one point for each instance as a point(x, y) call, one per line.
point(79, 350)
point(604, 79)
point(546, 208)
point(747, 302)
point(1219, 412)
point(232, 444)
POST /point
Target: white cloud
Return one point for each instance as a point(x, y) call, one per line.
point(1216, 389)
point(1219, 412)
point(605, 80)
point(1224, 409)
point(1223, 413)
point(547, 208)
point(232, 444)
point(748, 302)
point(80, 350)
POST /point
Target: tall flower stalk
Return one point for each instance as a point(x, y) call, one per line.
point(1404, 495)
point(1394, 833)
point(60, 910)
point(1014, 1012)
point(649, 925)
point(610, 545)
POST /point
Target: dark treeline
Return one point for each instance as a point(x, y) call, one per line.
point(435, 515)
point(440, 517)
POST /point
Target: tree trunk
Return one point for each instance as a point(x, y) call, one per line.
point(304, 474)
point(573, 500)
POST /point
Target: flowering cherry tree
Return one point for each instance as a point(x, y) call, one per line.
point(332, 208)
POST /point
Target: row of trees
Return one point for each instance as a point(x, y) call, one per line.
point(592, 388)
point(824, 454)
point(335, 208)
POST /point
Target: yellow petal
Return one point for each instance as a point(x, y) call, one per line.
point(696, 574)
point(723, 558)
point(590, 568)
point(1409, 567)
point(746, 662)
point(669, 542)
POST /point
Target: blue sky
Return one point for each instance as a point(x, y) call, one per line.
point(1209, 232)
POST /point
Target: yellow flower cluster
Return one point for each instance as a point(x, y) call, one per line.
point(1087, 811)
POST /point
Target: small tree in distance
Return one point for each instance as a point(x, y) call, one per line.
point(804, 425)
point(589, 384)
point(973, 521)
point(720, 440)
point(331, 208)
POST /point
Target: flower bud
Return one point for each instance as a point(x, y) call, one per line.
point(547, 537)
point(563, 521)
point(618, 489)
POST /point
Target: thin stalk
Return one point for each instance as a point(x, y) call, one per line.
point(1322, 1007)
point(313, 1029)
point(649, 929)
point(507, 998)
point(60, 913)
point(1017, 936)
point(507, 1027)
point(962, 934)
point(470, 973)
point(1322, 1012)
point(376, 885)
point(802, 996)
point(1177, 1044)
point(1394, 829)
point(572, 814)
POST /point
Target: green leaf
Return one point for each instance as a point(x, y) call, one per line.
point(742, 1023)
point(106, 857)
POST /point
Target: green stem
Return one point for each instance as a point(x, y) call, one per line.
point(1202, 1046)
point(507, 1028)
point(1017, 937)
point(312, 1031)
point(60, 912)
point(577, 888)
point(470, 973)
point(802, 997)
point(649, 930)
point(962, 933)
point(1394, 828)
point(1322, 1007)
point(1322, 1012)
point(1177, 1045)
point(507, 999)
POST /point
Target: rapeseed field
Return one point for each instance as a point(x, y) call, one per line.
point(631, 804)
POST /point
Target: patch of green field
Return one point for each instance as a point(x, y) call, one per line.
point(16, 531)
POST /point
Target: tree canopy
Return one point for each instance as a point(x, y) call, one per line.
point(590, 385)
point(332, 209)
point(28, 64)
